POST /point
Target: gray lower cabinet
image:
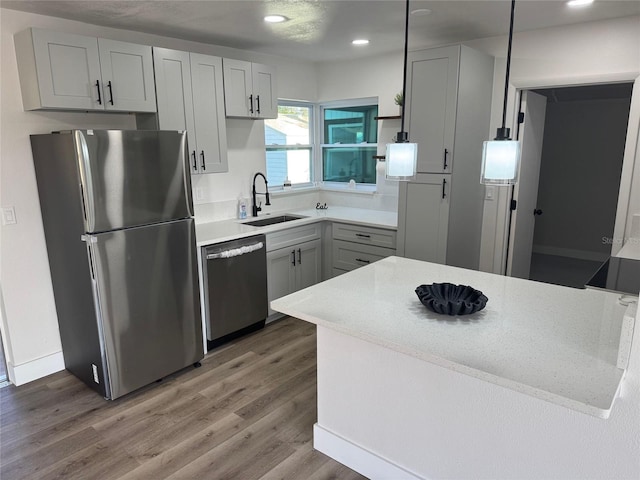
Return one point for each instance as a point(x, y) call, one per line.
point(355, 246)
point(294, 261)
point(423, 218)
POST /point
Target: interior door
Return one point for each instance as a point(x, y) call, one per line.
point(530, 134)
point(146, 285)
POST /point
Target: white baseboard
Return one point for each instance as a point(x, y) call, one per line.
point(357, 458)
point(35, 369)
point(571, 253)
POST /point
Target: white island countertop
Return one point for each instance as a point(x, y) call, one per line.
point(555, 343)
point(225, 230)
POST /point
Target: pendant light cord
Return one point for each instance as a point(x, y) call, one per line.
point(506, 80)
point(404, 75)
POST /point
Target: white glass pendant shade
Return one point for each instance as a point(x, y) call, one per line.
point(401, 161)
point(500, 162)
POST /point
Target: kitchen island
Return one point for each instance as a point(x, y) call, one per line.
point(514, 391)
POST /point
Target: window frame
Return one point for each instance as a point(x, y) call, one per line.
point(319, 168)
point(312, 146)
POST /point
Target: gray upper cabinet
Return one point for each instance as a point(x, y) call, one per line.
point(74, 72)
point(190, 97)
point(432, 87)
point(250, 90)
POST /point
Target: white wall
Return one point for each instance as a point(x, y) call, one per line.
point(29, 323)
point(597, 52)
point(580, 177)
point(380, 77)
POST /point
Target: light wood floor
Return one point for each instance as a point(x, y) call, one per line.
point(247, 413)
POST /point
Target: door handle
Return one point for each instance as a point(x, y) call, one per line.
point(99, 94)
point(299, 257)
point(537, 211)
point(446, 152)
point(293, 259)
point(110, 92)
point(195, 165)
point(202, 156)
point(444, 183)
point(251, 103)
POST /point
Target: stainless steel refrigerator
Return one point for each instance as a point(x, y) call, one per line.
point(117, 216)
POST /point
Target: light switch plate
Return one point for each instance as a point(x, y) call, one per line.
point(9, 216)
point(490, 193)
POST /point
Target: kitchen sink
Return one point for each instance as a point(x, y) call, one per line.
point(262, 222)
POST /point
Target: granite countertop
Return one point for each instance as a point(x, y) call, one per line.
point(222, 231)
point(555, 343)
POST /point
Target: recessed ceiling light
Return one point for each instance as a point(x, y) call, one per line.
point(275, 18)
point(579, 3)
point(420, 11)
point(361, 41)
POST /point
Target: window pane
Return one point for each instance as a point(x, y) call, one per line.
point(292, 162)
point(341, 164)
point(290, 128)
point(351, 124)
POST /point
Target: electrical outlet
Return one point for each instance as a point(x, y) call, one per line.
point(9, 216)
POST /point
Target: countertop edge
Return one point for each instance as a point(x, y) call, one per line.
point(311, 216)
point(576, 405)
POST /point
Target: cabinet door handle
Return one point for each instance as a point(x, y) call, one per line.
point(110, 92)
point(299, 257)
point(195, 165)
point(99, 94)
point(446, 152)
point(444, 183)
point(293, 257)
point(362, 261)
point(251, 103)
point(362, 235)
point(202, 156)
point(257, 103)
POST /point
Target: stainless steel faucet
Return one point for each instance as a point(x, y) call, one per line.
point(255, 207)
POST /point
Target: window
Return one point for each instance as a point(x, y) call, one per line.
point(289, 144)
point(349, 136)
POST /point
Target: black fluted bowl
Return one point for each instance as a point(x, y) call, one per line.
point(450, 299)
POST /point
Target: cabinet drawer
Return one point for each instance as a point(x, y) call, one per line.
point(293, 236)
point(349, 255)
point(379, 237)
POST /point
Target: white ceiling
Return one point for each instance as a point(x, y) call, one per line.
point(322, 30)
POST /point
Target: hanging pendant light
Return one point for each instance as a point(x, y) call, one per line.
point(401, 157)
point(501, 156)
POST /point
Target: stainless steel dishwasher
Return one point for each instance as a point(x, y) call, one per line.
point(235, 288)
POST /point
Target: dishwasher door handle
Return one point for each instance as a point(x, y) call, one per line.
point(236, 252)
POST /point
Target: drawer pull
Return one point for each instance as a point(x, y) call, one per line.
point(362, 235)
point(362, 261)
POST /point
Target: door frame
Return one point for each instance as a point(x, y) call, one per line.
point(631, 156)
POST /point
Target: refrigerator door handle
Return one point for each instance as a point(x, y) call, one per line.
point(85, 180)
point(186, 173)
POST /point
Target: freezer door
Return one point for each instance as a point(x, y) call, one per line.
point(148, 302)
point(132, 177)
